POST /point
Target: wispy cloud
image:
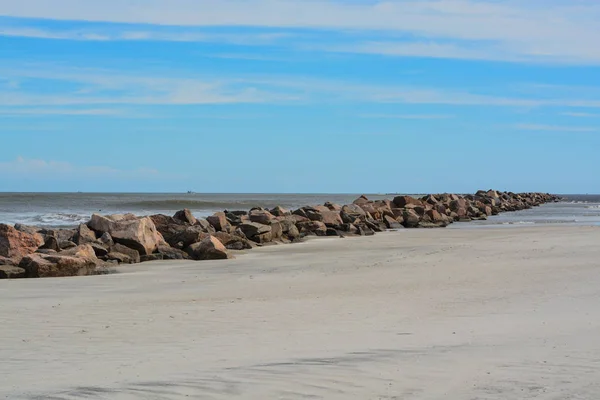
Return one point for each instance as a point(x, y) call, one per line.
point(555, 128)
point(120, 34)
point(17, 112)
point(580, 115)
point(23, 167)
point(93, 88)
point(510, 30)
point(406, 116)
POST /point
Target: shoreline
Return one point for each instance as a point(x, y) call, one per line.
point(109, 240)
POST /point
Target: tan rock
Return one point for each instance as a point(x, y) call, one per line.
point(219, 222)
point(16, 245)
point(209, 249)
point(136, 233)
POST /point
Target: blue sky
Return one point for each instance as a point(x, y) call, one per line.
point(299, 95)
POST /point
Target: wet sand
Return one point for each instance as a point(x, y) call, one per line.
point(494, 313)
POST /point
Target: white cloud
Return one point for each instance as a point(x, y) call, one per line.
point(115, 89)
point(550, 30)
point(22, 167)
point(12, 112)
point(555, 128)
point(406, 116)
point(112, 34)
point(581, 115)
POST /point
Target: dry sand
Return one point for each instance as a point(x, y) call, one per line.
point(503, 313)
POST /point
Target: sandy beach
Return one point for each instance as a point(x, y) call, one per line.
point(489, 313)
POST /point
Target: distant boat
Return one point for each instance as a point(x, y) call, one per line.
point(190, 192)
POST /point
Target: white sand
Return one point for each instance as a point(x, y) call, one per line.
point(505, 313)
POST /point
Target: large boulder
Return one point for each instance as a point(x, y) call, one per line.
point(280, 211)
point(261, 216)
point(289, 228)
point(15, 244)
point(84, 235)
point(57, 265)
point(136, 233)
point(253, 229)
point(187, 236)
point(403, 201)
point(117, 252)
point(411, 218)
point(169, 253)
point(185, 216)
point(233, 241)
point(208, 249)
point(391, 223)
point(12, 272)
point(331, 219)
point(352, 212)
point(313, 228)
point(219, 222)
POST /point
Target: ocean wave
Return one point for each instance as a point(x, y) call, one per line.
point(594, 207)
point(53, 219)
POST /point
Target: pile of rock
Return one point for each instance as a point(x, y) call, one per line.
point(105, 241)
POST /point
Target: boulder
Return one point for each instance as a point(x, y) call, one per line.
point(119, 258)
point(169, 253)
point(84, 235)
point(8, 261)
point(331, 219)
point(185, 216)
point(289, 228)
point(12, 272)
point(219, 222)
point(361, 200)
point(332, 206)
point(411, 218)
point(403, 201)
point(57, 265)
point(132, 254)
point(280, 211)
point(106, 239)
point(313, 227)
point(205, 225)
point(16, 244)
point(233, 241)
point(51, 243)
point(187, 235)
point(391, 223)
point(151, 257)
point(67, 244)
point(351, 212)
point(261, 216)
point(253, 229)
point(31, 230)
point(209, 249)
point(136, 233)
point(276, 231)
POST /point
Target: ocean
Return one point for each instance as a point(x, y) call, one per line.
point(70, 209)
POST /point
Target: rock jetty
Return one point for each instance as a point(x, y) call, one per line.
point(107, 241)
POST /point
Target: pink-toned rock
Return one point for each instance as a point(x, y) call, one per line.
point(54, 265)
point(361, 200)
point(136, 233)
point(280, 211)
point(208, 249)
point(315, 227)
point(16, 245)
point(185, 216)
point(12, 272)
point(219, 222)
point(411, 218)
point(403, 201)
point(261, 217)
point(351, 212)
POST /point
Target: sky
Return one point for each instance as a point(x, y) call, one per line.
point(300, 96)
